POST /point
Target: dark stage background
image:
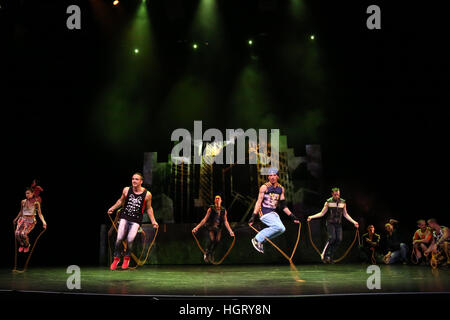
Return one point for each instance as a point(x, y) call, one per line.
point(78, 113)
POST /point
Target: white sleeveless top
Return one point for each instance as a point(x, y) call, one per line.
point(29, 212)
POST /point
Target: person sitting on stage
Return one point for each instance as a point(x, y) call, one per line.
point(394, 249)
point(441, 240)
point(135, 200)
point(270, 194)
point(337, 209)
point(26, 220)
point(215, 219)
point(421, 240)
point(370, 245)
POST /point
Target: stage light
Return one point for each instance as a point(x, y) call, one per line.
point(116, 2)
point(312, 37)
point(250, 42)
point(136, 51)
point(195, 46)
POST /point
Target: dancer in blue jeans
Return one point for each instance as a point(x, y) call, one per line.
point(395, 248)
point(270, 195)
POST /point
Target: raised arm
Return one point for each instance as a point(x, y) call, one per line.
point(320, 214)
point(38, 208)
point(347, 216)
point(150, 213)
point(208, 212)
point(227, 225)
point(119, 202)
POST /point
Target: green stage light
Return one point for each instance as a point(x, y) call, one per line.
point(195, 46)
point(312, 37)
point(136, 51)
point(250, 42)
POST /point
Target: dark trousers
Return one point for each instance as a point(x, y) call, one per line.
point(334, 231)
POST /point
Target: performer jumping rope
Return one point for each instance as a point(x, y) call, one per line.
point(270, 194)
point(135, 200)
point(215, 219)
point(338, 208)
point(26, 220)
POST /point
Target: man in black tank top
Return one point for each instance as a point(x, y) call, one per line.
point(215, 219)
point(134, 201)
point(336, 208)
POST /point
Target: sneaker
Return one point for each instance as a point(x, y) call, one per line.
point(327, 260)
point(20, 249)
point(115, 263)
point(206, 257)
point(258, 246)
point(387, 258)
point(26, 249)
point(126, 262)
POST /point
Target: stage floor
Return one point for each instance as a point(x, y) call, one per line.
point(230, 280)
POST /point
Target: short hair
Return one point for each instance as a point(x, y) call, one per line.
point(432, 220)
point(139, 174)
point(420, 221)
point(217, 196)
point(335, 189)
point(370, 226)
point(29, 189)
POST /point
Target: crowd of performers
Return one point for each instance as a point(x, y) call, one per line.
point(430, 243)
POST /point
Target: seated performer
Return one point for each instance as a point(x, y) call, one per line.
point(421, 240)
point(135, 200)
point(395, 250)
point(215, 219)
point(370, 245)
point(337, 209)
point(270, 194)
point(441, 240)
point(26, 220)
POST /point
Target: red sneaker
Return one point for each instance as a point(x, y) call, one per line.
point(20, 249)
point(26, 249)
point(126, 262)
point(115, 263)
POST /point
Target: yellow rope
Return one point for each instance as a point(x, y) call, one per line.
point(29, 255)
point(136, 259)
point(275, 246)
point(346, 251)
point(372, 257)
point(149, 248)
point(291, 264)
point(203, 250)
